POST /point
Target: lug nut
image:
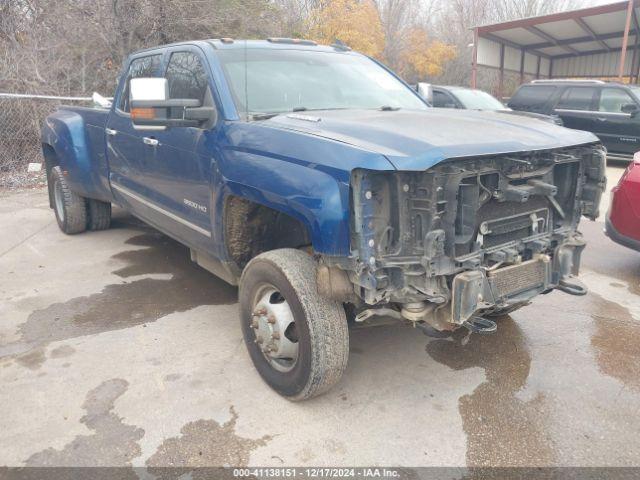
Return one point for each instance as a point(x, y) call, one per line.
point(271, 319)
point(254, 324)
point(368, 195)
point(275, 336)
point(261, 311)
point(258, 340)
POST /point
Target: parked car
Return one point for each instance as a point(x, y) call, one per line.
point(314, 177)
point(610, 110)
point(473, 99)
point(622, 222)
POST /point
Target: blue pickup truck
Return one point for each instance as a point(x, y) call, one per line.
point(327, 189)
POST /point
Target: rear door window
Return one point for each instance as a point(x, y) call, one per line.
point(577, 98)
point(532, 98)
point(612, 100)
point(140, 67)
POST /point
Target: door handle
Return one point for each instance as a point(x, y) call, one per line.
point(601, 119)
point(110, 131)
point(150, 141)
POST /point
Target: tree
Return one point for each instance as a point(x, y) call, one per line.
point(354, 22)
point(422, 57)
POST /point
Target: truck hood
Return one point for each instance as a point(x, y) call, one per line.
point(539, 116)
point(419, 139)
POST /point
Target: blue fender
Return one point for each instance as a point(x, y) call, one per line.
point(305, 177)
point(79, 144)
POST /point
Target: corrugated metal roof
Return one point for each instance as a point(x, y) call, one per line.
point(586, 42)
point(578, 32)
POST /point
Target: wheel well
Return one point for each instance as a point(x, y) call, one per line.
point(50, 161)
point(251, 229)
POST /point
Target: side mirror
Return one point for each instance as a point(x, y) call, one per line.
point(630, 108)
point(151, 106)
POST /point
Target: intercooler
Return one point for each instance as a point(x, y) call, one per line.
point(473, 290)
point(515, 279)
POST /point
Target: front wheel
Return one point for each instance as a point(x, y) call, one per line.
point(297, 340)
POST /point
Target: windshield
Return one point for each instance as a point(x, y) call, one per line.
point(478, 100)
point(296, 80)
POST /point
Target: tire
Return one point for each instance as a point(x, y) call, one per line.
point(98, 214)
point(319, 324)
point(69, 207)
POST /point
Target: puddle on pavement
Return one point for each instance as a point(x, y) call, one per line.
point(616, 341)
point(501, 429)
point(62, 351)
point(203, 443)
point(112, 443)
point(124, 305)
point(33, 359)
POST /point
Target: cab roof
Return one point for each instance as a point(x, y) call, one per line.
point(277, 43)
point(270, 43)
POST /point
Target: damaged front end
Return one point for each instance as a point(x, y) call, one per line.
point(468, 238)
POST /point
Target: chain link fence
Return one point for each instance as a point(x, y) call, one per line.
point(21, 118)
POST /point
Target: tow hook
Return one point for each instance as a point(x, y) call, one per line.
point(480, 325)
point(572, 286)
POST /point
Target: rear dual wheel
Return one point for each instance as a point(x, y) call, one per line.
point(98, 214)
point(297, 340)
point(75, 213)
point(70, 208)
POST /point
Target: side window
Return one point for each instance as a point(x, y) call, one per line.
point(576, 98)
point(612, 100)
point(140, 67)
point(441, 99)
point(186, 76)
point(532, 98)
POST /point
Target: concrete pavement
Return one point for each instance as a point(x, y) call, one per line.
point(116, 350)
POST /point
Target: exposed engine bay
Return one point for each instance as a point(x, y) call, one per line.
point(467, 238)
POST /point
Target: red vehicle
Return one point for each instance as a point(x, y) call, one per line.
point(623, 217)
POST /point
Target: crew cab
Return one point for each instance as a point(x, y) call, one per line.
point(329, 191)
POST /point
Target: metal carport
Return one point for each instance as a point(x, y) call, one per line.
point(590, 42)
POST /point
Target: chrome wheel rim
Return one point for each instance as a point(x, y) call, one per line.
point(274, 328)
point(59, 200)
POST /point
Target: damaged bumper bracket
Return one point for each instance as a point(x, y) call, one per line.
point(481, 289)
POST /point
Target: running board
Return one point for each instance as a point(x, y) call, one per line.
point(220, 269)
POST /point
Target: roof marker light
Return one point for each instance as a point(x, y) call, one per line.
point(292, 41)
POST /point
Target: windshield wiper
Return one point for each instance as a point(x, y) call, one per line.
point(268, 115)
point(263, 116)
point(388, 108)
point(305, 109)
